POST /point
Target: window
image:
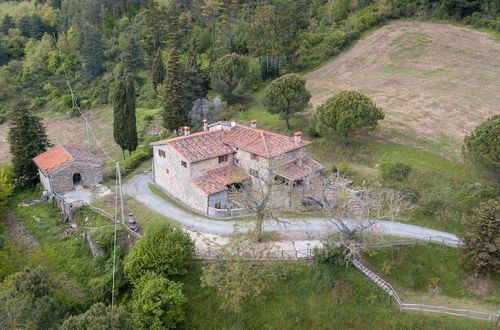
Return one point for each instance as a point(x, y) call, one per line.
point(236, 161)
point(183, 164)
point(222, 159)
point(254, 157)
point(217, 205)
point(166, 170)
point(162, 153)
point(253, 172)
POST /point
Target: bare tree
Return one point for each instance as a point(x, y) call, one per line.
point(355, 213)
point(263, 197)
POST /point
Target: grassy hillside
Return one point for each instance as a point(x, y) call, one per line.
point(435, 82)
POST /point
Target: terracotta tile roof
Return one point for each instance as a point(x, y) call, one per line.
point(217, 179)
point(260, 142)
point(60, 155)
point(298, 168)
point(199, 146)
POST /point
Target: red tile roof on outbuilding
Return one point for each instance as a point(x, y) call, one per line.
point(298, 168)
point(60, 155)
point(217, 179)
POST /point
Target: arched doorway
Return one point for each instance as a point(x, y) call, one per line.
point(77, 178)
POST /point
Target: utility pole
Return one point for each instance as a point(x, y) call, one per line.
point(119, 174)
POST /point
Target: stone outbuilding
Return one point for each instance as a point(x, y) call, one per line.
point(63, 168)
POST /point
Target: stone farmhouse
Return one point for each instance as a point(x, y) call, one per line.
point(198, 169)
point(63, 168)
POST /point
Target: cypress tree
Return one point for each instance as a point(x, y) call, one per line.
point(124, 120)
point(27, 139)
point(158, 70)
point(173, 95)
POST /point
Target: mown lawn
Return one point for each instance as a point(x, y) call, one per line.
point(304, 300)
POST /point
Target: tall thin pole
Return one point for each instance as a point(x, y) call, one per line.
point(121, 192)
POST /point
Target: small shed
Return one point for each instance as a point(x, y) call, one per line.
point(63, 168)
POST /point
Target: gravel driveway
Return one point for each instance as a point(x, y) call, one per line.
point(138, 188)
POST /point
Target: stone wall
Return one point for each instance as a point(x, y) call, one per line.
point(45, 181)
point(169, 174)
point(201, 167)
point(62, 179)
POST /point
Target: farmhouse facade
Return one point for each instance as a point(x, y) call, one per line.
point(198, 169)
point(63, 168)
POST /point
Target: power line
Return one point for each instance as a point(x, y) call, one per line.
point(75, 105)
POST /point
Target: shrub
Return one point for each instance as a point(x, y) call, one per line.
point(163, 249)
point(102, 317)
point(342, 168)
point(482, 146)
point(158, 302)
point(330, 253)
point(394, 171)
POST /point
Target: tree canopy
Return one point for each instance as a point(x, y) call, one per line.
point(158, 303)
point(101, 315)
point(27, 140)
point(163, 249)
point(482, 146)
point(348, 112)
point(286, 96)
point(481, 248)
point(173, 96)
point(228, 75)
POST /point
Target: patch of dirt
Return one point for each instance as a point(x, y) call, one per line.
point(478, 285)
point(435, 82)
point(18, 233)
point(72, 131)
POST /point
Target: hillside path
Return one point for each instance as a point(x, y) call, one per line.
point(138, 188)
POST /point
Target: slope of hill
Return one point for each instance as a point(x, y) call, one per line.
point(436, 82)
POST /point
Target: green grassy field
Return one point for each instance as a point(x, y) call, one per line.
point(304, 300)
point(411, 269)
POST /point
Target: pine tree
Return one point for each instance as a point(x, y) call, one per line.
point(7, 24)
point(27, 139)
point(131, 57)
point(196, 82)
point(91, 50)
point(124, 120)
point(173, 96)
point(481, 248)
point(158, 70)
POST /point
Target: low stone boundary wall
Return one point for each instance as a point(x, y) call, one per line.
point(225, 213)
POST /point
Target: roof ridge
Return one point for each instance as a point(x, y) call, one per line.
point(179, 138)
point(265, 144)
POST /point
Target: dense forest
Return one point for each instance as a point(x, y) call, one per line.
point(93, 42)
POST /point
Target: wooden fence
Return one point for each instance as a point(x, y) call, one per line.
point(387, 287)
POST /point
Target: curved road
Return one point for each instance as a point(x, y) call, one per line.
point(138, 188)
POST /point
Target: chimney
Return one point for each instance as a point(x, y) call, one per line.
point(297, 137)
point(187, 130)
point(205, 125)
point(253, 123)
